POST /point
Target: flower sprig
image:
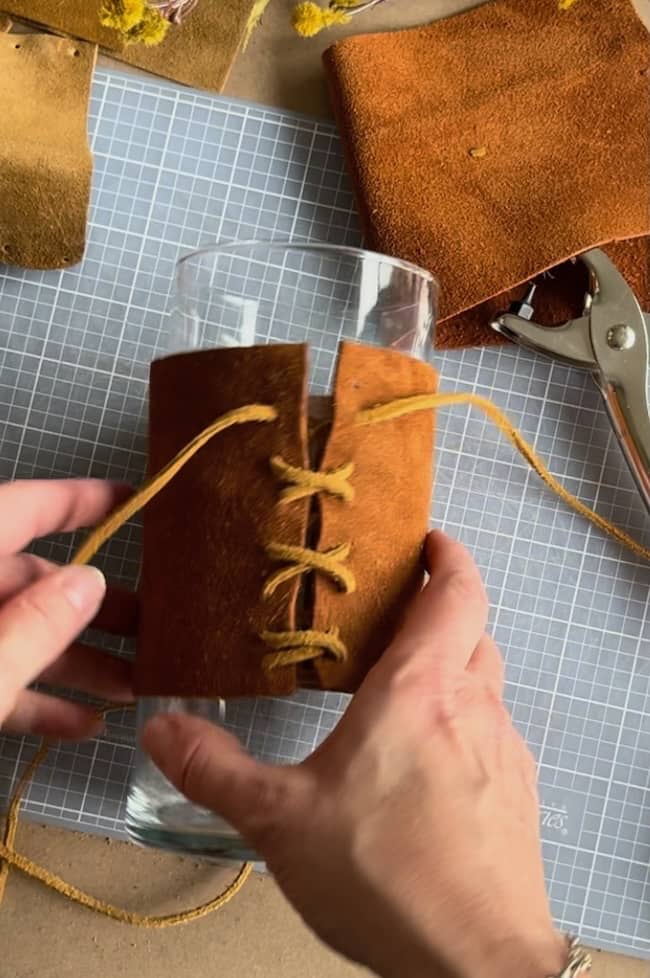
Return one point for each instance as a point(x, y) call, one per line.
point(144, 21)
point(136, 21)
point(308, 18)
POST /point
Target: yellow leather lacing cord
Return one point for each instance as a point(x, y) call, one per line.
point(264, 413)
point(300, 646)
point(303, 645)
point(9, 857)
point(151, 488)
point(305, 482)
point(300, 560)
point(424, 402)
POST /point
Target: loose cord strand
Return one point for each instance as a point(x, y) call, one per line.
point(422, 402)
point(9, 857)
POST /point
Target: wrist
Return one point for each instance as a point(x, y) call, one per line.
point(543, 955)
point(526, 957)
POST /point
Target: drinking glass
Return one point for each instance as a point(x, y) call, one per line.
point(256, 293)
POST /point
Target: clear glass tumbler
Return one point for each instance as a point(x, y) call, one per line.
point(256, 293)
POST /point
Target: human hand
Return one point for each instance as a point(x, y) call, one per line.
point(44, 607)
point(409, 840)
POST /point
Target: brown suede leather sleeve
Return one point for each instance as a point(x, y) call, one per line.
point(495, 144)
point(387, 520)
point(204, 562)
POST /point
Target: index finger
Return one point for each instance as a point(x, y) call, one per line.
point(32, 508)
point(446, 621)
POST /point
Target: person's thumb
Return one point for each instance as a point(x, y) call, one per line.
point(209, 766)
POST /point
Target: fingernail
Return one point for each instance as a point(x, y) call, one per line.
point(84, 587)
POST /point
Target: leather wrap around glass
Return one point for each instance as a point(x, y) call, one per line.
point(278, 562)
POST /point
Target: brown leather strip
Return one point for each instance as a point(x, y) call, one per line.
point(493, 145)
point(45, 161)
point(387, 520)
point(204, 561)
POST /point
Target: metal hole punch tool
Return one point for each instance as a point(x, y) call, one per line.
point(610, 340)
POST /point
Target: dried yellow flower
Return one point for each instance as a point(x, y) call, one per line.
point(135, 20)
point(309, 19)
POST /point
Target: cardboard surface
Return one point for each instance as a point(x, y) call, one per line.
point(280, 68)
point(257, 934)
point(41, 935)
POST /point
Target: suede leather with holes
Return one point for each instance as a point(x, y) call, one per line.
point(200, 52)
point(45, 161)
point(207, 535)
point(495, 144)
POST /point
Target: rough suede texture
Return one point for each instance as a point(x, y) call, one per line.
point(78, 18)
point(494, 145)
point(204, 562)
point(45, 161)
point(199, 52)
point(388, 518)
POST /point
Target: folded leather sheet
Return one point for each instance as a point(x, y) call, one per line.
point(199, 52)
point(45, 161)
point(492, 146)
point(205, 559)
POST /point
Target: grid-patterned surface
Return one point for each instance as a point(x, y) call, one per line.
point(175, 169)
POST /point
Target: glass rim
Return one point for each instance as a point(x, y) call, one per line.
point(232, 247)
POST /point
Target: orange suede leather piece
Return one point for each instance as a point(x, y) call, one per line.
point(45, 160)
point(387, 520)
point(556, 104)
point(204, 562)
point(558, 298)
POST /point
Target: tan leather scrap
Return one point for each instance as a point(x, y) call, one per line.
point(263, 571)
point(491, 146)
point(45, 161)
point(199, 52)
